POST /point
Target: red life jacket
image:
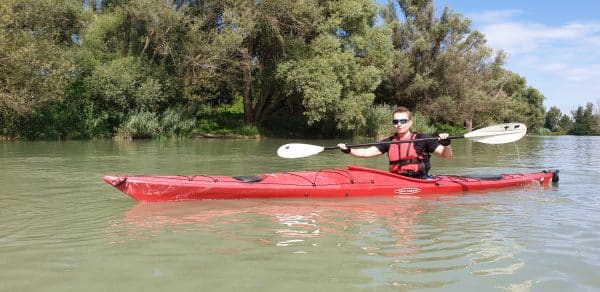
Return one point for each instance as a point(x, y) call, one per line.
point(405, 160)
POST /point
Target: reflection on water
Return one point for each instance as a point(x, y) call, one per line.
point(63, 229)
point(291, 220)
point(398, 241)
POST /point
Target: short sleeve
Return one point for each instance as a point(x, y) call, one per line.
point(384, 145)
point(431, 144)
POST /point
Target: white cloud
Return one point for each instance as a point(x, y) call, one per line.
point(555, 67)
point(562, 61)
point(582, 73)
point(572, 72)
point(492, 16)
point(517, 37)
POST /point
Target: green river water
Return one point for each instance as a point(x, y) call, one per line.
point(64, 229)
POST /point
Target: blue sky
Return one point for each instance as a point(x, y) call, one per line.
point(554, 45)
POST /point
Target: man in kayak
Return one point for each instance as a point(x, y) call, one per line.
point(410, 158)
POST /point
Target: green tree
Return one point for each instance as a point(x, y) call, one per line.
point(471, 90)
point(443, 68)
point(72, 68)
point(335, 77)
point(534, 111)
point(127, 84)
point(130, 62)
point(36, 58)
point(152, 30)
point(524, 103)
point(597, 117)
point(237, 47)
point(413, 80)
point(565, 124)
point(584, 122)
point(553, 117)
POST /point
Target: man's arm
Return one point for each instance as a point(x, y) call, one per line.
point(443, 151)
point(361, 152)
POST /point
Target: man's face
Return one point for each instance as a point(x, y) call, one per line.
point(401, 123)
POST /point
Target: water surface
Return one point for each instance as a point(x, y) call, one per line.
point(63, 229)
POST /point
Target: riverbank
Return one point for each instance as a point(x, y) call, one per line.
point(225, 136)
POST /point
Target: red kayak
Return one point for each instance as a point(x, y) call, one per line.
point(353, 181)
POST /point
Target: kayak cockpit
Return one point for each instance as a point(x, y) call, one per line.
point(249, 178)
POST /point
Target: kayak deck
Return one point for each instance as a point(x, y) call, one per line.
point(352, 181)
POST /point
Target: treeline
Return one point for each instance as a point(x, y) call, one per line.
point(151, 68)
point(583, 121)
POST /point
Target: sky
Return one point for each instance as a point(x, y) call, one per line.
point(554, 45)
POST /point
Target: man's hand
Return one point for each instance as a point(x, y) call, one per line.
point(344, 148)
point(443, 139)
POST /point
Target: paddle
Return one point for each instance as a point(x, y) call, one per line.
point(496, 134)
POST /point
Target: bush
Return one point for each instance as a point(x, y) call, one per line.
point(140, 125)
point(248, 131)
point(176, 123)
point(378, 122)
point(450, 129)
point(545, 132)
point(421, 124)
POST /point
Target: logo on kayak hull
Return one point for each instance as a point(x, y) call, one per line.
point(407, 191)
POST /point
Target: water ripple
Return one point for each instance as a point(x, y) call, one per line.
point(58, 218)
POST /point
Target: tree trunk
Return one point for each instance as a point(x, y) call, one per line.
point(248, 109)
point(146, 43)
point(127, 37)
point(268, 105)
point(469, 124)
point(259, 110)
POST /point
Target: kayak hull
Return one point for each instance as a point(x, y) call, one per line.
point(353, 181)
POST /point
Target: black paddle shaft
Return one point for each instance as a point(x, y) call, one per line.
point(392, 142)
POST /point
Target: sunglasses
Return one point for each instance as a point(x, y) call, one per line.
point(401, 121)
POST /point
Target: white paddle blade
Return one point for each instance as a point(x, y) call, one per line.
point(298, 150)
point(498, 134)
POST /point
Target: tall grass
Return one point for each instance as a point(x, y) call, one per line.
point(173, 123)
point(378, 123)
point(422, 124)
point(176, 123)
point(140, 125)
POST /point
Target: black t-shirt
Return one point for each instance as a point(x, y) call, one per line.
point(420, 146)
